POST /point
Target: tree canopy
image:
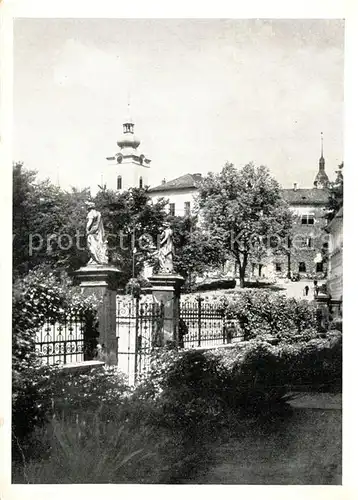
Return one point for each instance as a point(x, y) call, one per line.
point(133, 223)
point(244, 209)
point(196, 251)
point(335, 201)
point(47, 224)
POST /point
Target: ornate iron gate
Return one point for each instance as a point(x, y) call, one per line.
point(66, 341)
point(201, 324)
point(206, 324)
point(139, 330)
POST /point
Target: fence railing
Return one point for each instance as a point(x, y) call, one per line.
point(65, 341)
point(204, 324)
point(139, 330)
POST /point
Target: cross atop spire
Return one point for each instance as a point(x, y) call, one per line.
point(321, 144)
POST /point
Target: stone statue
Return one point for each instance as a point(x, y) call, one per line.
point(166, 250)
point(96, 242)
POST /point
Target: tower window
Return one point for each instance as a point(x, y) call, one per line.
point(302, 267)
point(141, 182)
point(307, 219)
point(119, 182)
point(319, 267)
point(278, 267)
point(128, 127)
point(187, 208)
point(172, 209)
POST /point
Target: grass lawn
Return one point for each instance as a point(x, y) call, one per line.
point(306, 449)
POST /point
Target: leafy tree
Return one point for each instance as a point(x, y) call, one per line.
point(133, 223)
point(335, 201)
point(47, 224)
point(196, 251)
point(244, 209)
point(23, 210)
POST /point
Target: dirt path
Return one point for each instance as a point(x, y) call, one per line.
point(306, 449)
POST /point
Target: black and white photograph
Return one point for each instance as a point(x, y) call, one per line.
point(177, 251)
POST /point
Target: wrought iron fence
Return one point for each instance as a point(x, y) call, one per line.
point(139, 330)
point(204, 324)
point(66, 341)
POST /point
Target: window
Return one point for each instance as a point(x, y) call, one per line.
point(307, 219)
point(187, 208)
point(309, 242)
point(319, 267)
point(141, 182)
point(278, 267)
point(302, 267)
point(119, 182)
point(172, 209)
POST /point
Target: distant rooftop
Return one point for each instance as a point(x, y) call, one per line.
point(186, 181)
point(310, 196)
point(293, 196)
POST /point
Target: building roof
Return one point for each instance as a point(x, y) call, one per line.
point(187, 181)
point(312, 196)
point(321, 179)
point(298, 196)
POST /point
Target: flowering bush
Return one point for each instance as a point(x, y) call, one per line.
point(261, 313)
point(254, 376)
point(74, 393)
point(314, 365)
point(37, 298)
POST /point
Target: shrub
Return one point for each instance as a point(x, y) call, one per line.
point(38, 297)
point(31, 402)
point(215, 284)
point(92, 451)
point(200, 389)
point(46, 392)
point(316, 364)
point(261, 313)
point(76, 394)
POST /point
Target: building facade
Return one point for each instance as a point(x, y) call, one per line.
point(307, 240)
point(335, 257)
point(181, 193)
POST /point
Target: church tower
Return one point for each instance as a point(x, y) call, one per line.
point(128, 168)
point(321, 180)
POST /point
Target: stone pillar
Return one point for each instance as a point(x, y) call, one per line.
point(166, 290)
point(322, 300)
point(102, 281)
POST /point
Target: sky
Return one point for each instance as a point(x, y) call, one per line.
point(201, 92)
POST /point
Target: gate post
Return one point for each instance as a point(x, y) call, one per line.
point(322, 311)
point(102, 281)
point(166, 290)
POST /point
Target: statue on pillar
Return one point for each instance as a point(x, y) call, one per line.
point(166, 250)
point(96, 241)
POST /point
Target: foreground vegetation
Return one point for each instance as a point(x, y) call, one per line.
point(92, 427)
point(95, 429)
